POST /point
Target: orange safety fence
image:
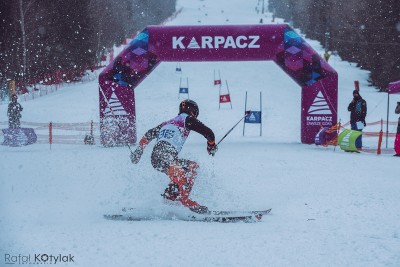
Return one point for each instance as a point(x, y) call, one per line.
point(376, 134)
point(334, 128)
point(378, 150)
point(75, 133)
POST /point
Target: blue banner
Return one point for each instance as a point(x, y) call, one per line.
point(253, 117)
point(183, 90)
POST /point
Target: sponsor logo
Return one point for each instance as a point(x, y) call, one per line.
point(216, 42)
point(319, 112)
point(346, 140)
point(319, 120)
point(252, 117)
point(319, 106)
point(114, 106)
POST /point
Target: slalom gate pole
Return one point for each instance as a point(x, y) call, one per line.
point(232, 128)
point(113, 114)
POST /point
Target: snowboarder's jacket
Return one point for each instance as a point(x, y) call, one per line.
point(171, 135)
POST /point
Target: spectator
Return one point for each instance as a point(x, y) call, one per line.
point(397, 141)
point(14, 112)
point(327, 56)
point(358, 112)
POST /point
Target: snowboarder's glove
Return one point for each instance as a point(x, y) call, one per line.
point(212, 148)
point(135, 156)
point(365, 124)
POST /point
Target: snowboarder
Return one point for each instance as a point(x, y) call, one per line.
point(171, 135)
point(14, 112)
point(358, 112)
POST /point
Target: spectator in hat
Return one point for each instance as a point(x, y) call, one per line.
point(14, 112)
point(358, 112)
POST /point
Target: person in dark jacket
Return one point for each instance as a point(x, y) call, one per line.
point(14, 112)
point(358, 112)
point(171, 136)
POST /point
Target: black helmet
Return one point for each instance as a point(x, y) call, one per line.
point(189, 107)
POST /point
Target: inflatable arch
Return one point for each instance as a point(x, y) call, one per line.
point(280, 43)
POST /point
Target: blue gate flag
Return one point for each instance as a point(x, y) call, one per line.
point(184, 90)
point(253, 117)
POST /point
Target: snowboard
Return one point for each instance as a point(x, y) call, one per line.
point(132, 214)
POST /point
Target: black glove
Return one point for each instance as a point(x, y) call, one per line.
point(365, 124)
point(135, 156)
point(212, 148)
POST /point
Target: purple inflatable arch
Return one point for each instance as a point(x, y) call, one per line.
point(280, 43)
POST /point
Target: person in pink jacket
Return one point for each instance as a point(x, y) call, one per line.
point(397, 140)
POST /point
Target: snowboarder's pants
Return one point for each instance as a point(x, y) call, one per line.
point(183, 173)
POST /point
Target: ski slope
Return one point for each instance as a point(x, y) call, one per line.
point(329, 208)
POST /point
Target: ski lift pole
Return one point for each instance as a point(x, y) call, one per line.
point(247, 113)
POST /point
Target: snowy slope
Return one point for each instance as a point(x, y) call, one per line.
point(330, 208)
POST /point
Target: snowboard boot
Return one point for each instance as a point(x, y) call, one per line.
point(184, 193)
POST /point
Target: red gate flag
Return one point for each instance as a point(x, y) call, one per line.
point(224, 98)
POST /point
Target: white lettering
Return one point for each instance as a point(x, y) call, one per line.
point(319, 120)
point(206, 42)
point(229, 42)
point(177, 42)
point(218, 40)
point(254, 39)
point(240, 45)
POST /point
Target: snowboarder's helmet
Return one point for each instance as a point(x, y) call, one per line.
point(189, 107)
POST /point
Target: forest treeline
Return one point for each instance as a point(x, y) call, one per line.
point(366, 32)
point(42, 36)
